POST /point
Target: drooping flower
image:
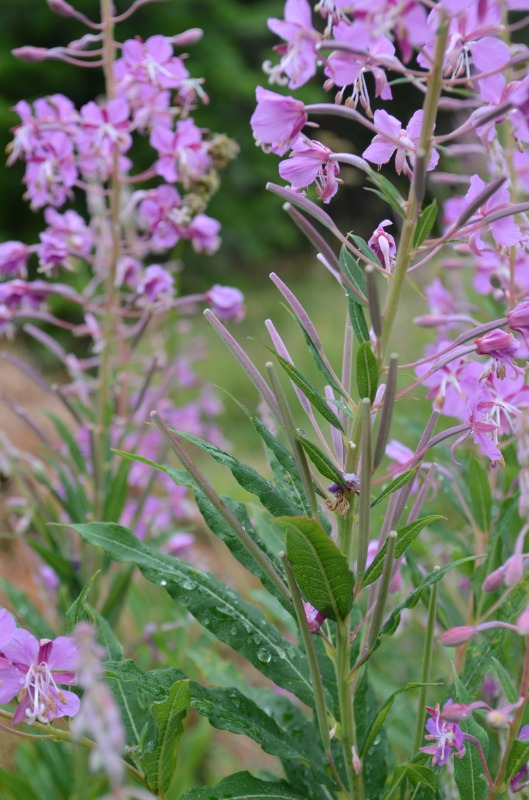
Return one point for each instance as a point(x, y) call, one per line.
point(483, 428)
point(35, 672)
point(447, 736)
point(393, 137)
point(13, 259)
point(156, 288)
point(309, 163)
point(502, 347)
point(383, 245)
point(277, 120)
point(315, 618)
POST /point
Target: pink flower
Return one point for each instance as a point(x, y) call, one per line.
point(203, 232)
point(349, 69)
point(13, 259)
point(504, 231)
point(156, 288)
point(309, 163)
point(518, 319)
point(502, 347)
point(483, 429)
point(451, 385)
point(150, 62)
point(277, 120)
point(51, 171)
point(105, 132)
point(315, 618)
point(66, 237)
point(35, 670)
point(448, 736)
point(298, 54)
point(226, 301)
point(179, 544)
point(383, 245)
point(161, 212)
point(393, 137)
point(182, 154)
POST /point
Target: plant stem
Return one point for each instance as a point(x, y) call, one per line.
point(109, 318)
point(348, 731)
point(413, 206)
point(426, 668)
point(498, 787)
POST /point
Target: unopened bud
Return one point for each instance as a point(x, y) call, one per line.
point(494, 580)
point(61, 8)
point(522, 623)
point(187, 37)
point(315, 618)
point(357, 764)
point(457, 712)
point(29, 53)
point(513, 570)
point(457, 636)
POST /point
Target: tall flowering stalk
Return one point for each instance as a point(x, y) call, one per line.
point(110, 260)
point(340, 539)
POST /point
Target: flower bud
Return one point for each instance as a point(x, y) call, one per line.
point(456, 712)
point(61, 8)
point(522, 623)
point(513, 570)
point(494, 580)
point(315, 618)
point(457, 636)
point(29, 53)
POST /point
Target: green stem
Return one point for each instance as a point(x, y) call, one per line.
point(497, 787)
point(109, 319)
point(364, 508)
point(426, 668)
point(413, 206)
point(348, 731)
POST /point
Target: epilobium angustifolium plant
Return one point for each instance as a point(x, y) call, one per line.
point(393, 635)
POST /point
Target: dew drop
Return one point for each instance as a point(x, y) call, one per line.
point(163, 582)
point(187, 584)
point(264, 655)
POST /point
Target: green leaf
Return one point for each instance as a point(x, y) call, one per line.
point(320, 460)
point(405, 537)
point(226, 709)
point(216, 606)
point(480, 494)
point(395, 485)
point(469, 774)
point(106, 635)
point(357, 317)
point(518, 758)
point(15, 788)
point(366, 372)
point(243, 786)
point(67, 437)
point(320, 569)
point(425, 223)
point(365, 249)
point(355, 273)
point(160, 764)
point(380, 718)
point(247, 477)
point(219, 527)
point(387, 191)
point(374, 767)
point(419, 775)
point(78, 610)
point(310, 392)
point(511, 692)
point(116, 492)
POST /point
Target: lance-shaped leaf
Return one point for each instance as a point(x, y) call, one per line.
point(405, 537)
point(160, 764)
point(357, 317)
point(309, 391)
point(425, 223)
point(321, 460)
point(395, 485)
point(366, 372)
point(217, 607)
point(243, 786)
point(366, 251)
point(247, 477)
point(319, 568)
point(353, 271)
point(480, 494)
point(469, 774)
point(380, 718)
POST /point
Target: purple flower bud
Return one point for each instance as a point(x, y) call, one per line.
point(61, 8)
point(29, 53)
point(227, 302)
point(457, 712)
point(518, 318)
point(350, 481)
point(513, 570)
point(315, 618)
point(494, 580)
point(522, 623)
point(457, 636)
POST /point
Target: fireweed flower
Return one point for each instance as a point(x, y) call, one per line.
point(152, 62)
point(298, 55)
point(13, 259)
point(51, 171)
point(309, 163)
point(345, 69)
point(518, 319)
point(277, 121)
point(182, 154)
point(393, 138)
point(66, 237)
point(315, 618)
point(502, 347)
point(483, 428)
point(447, 736)
point(156, 289)
point(383, 245)
point(35, 671)
point(227, 302)
point(7, 629)
point(451, 386)
point(104, 131)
